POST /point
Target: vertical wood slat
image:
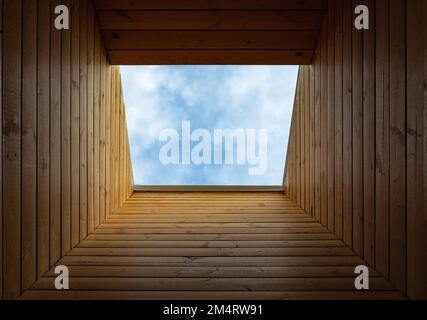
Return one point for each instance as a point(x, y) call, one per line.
point(43, 129)
point(11, 126)
point(83, 111)
point(75, 123)
point(382, 146)
point(331, 118)
point(96, 97)
point(357, 121)
point(55, 139)
point(90, 114)
point(101, 120)
point(338, 117)
point(29, 146)
point(416, 149)
point(324, 124)
point(369, 137)
point(347, 125)
point(66, 139)
point(397, 146)
point(317, 83)
point(1, 150)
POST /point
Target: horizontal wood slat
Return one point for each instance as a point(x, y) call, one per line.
point(210, 57)
point(191, 40)
point(131, 28)
point(210, 5)
point(138, 254)
point(211, 20)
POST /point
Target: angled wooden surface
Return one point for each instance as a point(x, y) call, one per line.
point(210, 32)
point(369, 180)
point(211, 246)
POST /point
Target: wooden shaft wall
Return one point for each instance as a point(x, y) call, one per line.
point(64, 153)
point(357, 156)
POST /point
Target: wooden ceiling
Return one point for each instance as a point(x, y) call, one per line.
point(203, 32)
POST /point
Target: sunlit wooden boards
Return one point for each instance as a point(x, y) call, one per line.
point(210, 32)
point(47, 140)
point(219, 248)
point(372, 87)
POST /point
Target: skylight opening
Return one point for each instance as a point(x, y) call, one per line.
point(209, 125)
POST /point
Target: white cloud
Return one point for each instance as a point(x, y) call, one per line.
point(219, 98)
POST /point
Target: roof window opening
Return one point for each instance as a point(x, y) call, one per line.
point(209, 125)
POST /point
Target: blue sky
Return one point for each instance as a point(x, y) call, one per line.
point(210, 97)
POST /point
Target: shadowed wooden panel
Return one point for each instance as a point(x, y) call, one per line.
point(210, 20)
point(210, 57)
point(202, 25)
point(174, 40)
point(211, 5)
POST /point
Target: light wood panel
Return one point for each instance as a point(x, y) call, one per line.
point(372, 184)
point(47, 149)
point(218, 32)
point(204, 256)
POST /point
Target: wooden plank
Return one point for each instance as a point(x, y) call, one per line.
point(1, 153)
point(382, 145)
point(312, 142)
point(29, 147)
point(424, 156)
point(211, 252)
point(102, 155)
point(210, 57)
point(12, 86)
point(203, 284)
point(338, 92)
point(424, 152)
point(108, 141)
point(317, 141)
point(397, 147)
point(307, 138)
point(223, 40)
point(43, 129)
point(302, 138)
point(210, 20)
point(211, 237)
point(66, 139)
point(55, 139)
point(213, 261)
point(195, 225)
point(213, 230)
point(83, 112)
point(347, 126)
point(369, 138)
point(357, 121)
point(75, 124)
point(96, 112)
point(214, 295)
point(213, 272)
point(210, 244)
point(90, 116)
point(324, 124)
point(207, 5)
point(331, 118)
point(416, 227)
point(297, 138)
